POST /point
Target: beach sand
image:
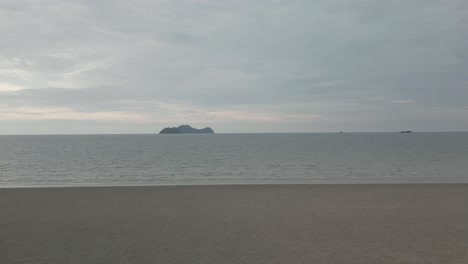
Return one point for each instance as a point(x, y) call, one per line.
point(236, 224)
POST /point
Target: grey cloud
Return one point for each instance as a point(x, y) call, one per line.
point(317, 58)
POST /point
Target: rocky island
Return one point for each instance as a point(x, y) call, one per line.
point(186, 129)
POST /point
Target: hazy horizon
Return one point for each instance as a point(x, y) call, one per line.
point(261, 132)
point(106, 67)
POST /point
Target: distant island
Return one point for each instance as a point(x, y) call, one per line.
point(186, 129)
point(407, 131)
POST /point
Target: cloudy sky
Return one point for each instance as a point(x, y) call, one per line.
point(107, 66)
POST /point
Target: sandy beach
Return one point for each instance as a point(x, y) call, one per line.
point(414, 223)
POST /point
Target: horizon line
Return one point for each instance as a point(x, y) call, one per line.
point(322, 132)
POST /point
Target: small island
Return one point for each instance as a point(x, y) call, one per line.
point(407, 131)
point(186, 129)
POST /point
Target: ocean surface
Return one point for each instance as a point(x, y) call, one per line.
point(112, 160)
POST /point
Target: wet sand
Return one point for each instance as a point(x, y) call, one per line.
point(236, 224)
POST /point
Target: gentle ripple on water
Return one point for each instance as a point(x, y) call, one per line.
point(233, 158)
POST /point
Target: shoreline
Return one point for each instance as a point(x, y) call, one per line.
point(251, 223)
point(220, 184)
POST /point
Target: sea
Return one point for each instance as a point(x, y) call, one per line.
point(198, 159)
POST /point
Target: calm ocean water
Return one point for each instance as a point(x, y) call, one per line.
point(81, 160)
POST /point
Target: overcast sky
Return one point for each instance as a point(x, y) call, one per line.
point(102, 66)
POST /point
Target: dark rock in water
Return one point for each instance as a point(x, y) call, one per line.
point(186, 129)
point(408, 131)
point(170, 130)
